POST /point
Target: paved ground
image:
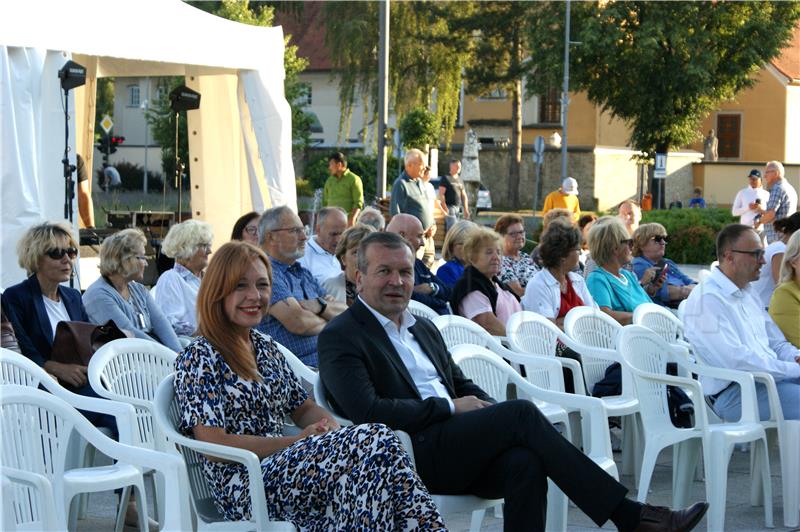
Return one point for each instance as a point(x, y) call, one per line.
point(739, 516)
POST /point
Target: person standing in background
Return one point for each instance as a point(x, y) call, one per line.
point(749, 199)
point(782, 200)
point(343, 188)
point(564, 198)
point(453, 195)
point(85, 204)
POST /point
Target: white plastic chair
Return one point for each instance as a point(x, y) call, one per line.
point(662, 322)
point(28, 501)
point(18, 369)
point(594, 335)
point(166, 415)
point(35, 434)
point(647, 355)
point(446, 504)
point(421, 310)
point(306, 375)
point(129, 370)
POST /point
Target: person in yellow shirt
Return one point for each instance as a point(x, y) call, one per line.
point(564, 198)
point(785, 304)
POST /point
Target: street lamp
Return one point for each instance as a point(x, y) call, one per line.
point(145, 106)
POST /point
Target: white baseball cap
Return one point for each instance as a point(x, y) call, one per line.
point(569, 186)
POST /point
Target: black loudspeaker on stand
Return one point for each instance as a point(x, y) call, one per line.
point(181, 99)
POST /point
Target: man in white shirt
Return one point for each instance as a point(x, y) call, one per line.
point(728, 328)
point(749, 199)
point(320, 259)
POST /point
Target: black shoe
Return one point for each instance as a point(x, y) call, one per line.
point(662, 519)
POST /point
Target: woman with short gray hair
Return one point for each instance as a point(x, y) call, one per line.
point(189, 243)
point(119, 295)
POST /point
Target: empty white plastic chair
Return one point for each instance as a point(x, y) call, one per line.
point(208, 517)
point(421, 310)
point(661, 321)
point(35, 433)
point(647, 354)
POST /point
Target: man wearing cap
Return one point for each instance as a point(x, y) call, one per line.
point(748, 200)
point(564, 198)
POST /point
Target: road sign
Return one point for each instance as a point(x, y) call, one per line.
point(538, 146)
point(538, 158)
point(106, 123)
point(661, 166)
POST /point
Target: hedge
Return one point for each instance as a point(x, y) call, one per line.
point(692, 232)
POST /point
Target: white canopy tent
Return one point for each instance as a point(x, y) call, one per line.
point(239, 140)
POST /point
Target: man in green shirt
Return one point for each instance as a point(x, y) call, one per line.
point(343, 188)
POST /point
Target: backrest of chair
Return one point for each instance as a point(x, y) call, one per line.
point(321, 398)
point(28, 502)
point(477, 364)
point(529, 332)
point(457, 330)
point(167, 415)
point(647, 353)
point(659, 320)
point(130, 370)
point(306, 375)
point(421, 310)
point(592, 327)
point(19, 369)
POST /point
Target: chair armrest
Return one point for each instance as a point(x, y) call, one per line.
point(609, 355)
point(405, 440)
point(693, 390)
point(125, 414)
point(775, 408)
point(44, 494)
point(549, 366)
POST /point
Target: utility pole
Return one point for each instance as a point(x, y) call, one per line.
point(565, 98)
point(383, 94)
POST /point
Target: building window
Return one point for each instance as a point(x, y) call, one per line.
point(729, 132)
point(550, 107)
point(133, 95)
point(496, 94)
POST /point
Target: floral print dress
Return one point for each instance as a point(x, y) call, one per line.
point(356, 478)
point(520, 270)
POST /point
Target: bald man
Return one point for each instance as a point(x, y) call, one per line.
point(428, 289)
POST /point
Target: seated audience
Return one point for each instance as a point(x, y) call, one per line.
point(9, 339)
point(463, 441)
point(479, 295)
point(649, 247)
point(189, 243)
point(428, 288)
point(343, 286)
point(246, 228)
point(584, 224)
point(119, 295)
point(549, 217)
point(35, 306)
point(372, 216)
point(556, 288)
point(630, 214)
point(453, 252)
point(234, 388)
point(728, 328)
point(517, 266)
point(319, 257)
point(785, 304)
point(615, 290)
point(299, 306)
point(769, 274)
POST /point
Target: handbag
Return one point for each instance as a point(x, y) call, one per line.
point(76, 341)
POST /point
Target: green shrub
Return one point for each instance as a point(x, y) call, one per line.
point(692, 232)
point(364, 166)
point(304, 188)
point(419, 129)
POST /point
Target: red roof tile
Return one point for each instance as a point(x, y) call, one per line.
point(788, 63)
point(307, 29)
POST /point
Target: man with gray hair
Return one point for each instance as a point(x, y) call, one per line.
point(319, 258)
point(782, 200)
point(373, 217)
point(299, 307)
point(410, 194)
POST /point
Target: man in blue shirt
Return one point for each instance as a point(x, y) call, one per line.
point(299, 307)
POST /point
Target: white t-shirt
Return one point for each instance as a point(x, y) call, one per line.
point(765, 284)
point(741, 205)
point(56, 312)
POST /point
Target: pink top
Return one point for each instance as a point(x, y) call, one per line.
point(476, 303)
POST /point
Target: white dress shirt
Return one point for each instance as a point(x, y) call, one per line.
point(728, 328)
point(419, 366)
point(543, 293)
point(319, 262)
point(741, 205)
point(176, 294)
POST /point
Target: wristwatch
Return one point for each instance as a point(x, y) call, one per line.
point(434, 288)
point(322, 305)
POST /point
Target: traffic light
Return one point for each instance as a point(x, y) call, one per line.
point(103, 144)
point(116, 141)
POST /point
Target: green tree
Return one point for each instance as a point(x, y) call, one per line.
point(419, 129)
point(104, 105)
point(660, 66)
point(425, 59)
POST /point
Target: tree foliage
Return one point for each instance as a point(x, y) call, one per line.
point(661, 66)
point(425, 59)
point(419, 129)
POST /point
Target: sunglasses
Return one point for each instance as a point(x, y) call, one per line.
point(661, 239)
point(58, 253)
point(628, 242)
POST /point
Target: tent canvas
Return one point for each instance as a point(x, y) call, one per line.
point(239, 140)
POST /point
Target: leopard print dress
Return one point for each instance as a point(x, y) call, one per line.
point(356, 478)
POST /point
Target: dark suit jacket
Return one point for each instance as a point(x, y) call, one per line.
point(25, 309)
point(368, 382)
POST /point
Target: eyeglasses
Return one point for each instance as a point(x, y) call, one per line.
point(296, 231)
point(514, 234)
point(628, 242)
point(251, 229)
point(757, 254)
point(58, 253)
point(205, 246)
point(661, 239)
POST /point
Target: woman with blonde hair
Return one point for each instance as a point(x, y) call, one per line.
point(189, 243)
point(453, 252)
point(479, 295)
point(234, 388)
point(784, 307)
point(119, 295)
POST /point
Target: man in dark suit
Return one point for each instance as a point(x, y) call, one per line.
point(382, 365)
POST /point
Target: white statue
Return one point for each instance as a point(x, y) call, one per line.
point(470, 167)
point(710, 145)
